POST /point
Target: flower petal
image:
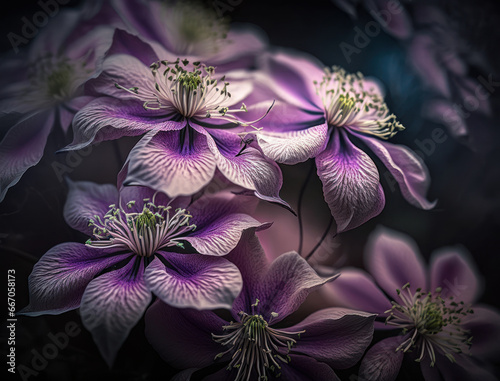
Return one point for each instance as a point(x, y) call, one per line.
point(465, 368)
point(22, 147)
point(182, 337)
point(128, 44)
point(407, 168)
point(336, 336)
point(397, 22)
point(185, 375)
point(60, 277)
point(245, 41)
point(291, 77)
point(220, 221)
point(285, 286)
point(443, 112)
point(68, 110)
point(250, 169)
point(394, 260)
point(382, 362)
point(293, 147)
point(109, 118)
point(350, 183)
point(252, 262)
point(86, 200)
point(194, 281)
point(165, 163)
point(112, 305)
point(484, 326)
point(222, 235)
point(426, 60)
point(126, 71)
point(303, 368)
point(455, 272)
point(356, 289)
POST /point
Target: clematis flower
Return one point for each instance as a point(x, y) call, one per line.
point(141, 242)
point(443, 58)
point(431, 310)
point(189, 116)
point(192, 30)
point(257, 341)
point(317, 115)
point(42, 88)
point(441, 55)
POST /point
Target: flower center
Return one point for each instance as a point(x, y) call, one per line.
point(143, 233)
point(191, 93)
point(255, 346)
point(195, 29)
point(349, 103)
point(432, 322)
point(53, 80)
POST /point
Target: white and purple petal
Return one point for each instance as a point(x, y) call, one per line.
point(245, 166)
point(194, 281)
point(22, 147)
point(59, 279)
point(109, 119)
point(112, 305)
point(222, 235)
point(351, 183)
point(85, 201)
point(177, 163)
point(291, 77)
point(407, 168)
point(292, 147)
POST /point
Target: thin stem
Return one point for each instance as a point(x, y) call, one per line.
point(321, 240)
point(299, 206)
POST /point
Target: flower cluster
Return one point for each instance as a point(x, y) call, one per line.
point(176, 239)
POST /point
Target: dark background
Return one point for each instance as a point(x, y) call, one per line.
point(465, 181)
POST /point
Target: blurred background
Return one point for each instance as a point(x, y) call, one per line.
point(463, 158)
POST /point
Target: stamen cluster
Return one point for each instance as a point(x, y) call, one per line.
point(255, 345)
point(53, 79)
point(142, 233)
point(432, 321)
point(348, 103)
point(191, 93)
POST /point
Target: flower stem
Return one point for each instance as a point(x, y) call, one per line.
point(321, 240)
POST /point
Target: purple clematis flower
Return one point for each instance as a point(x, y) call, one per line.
point(442, 58)
point(317, 114)
point(43, 88)
point(432, 311)
point(138, 248)
point(189, 116)
point(191, 30)
point(258, 341)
